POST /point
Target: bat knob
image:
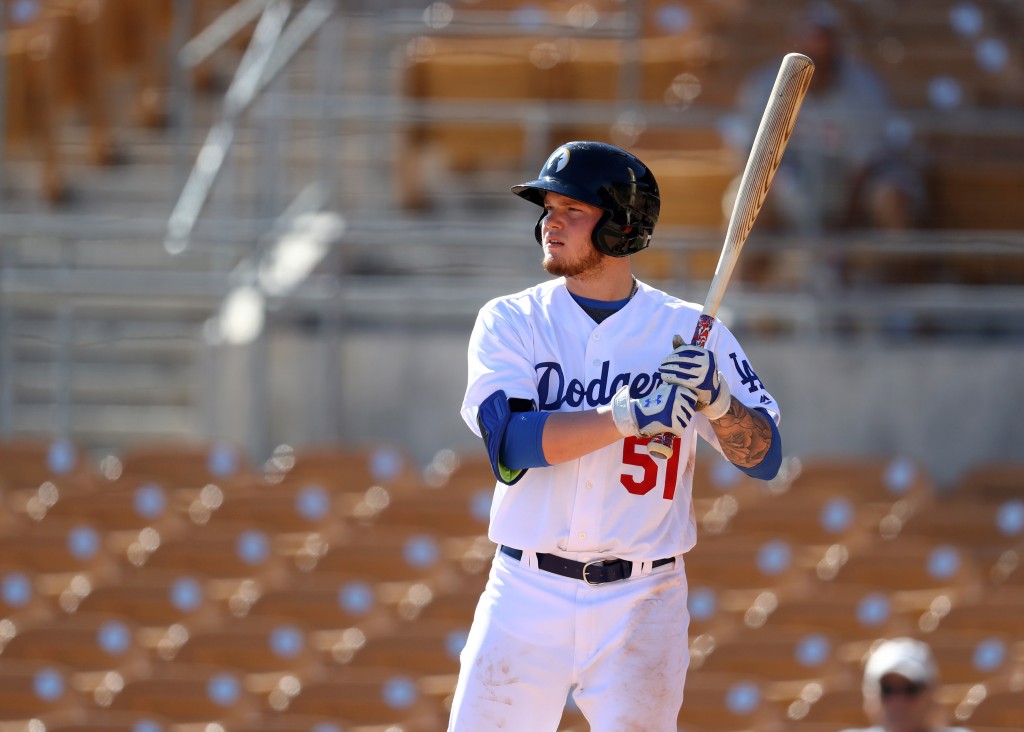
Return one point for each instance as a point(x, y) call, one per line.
point(661, 446)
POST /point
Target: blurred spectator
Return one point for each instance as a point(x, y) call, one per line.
point(850, 162)
point(900, 679)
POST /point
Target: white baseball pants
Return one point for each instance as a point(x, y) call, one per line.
point(621, 647)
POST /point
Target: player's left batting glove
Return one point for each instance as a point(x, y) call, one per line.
point(668, 408)
point(695, 368)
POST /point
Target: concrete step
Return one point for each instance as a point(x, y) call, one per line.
point(120, 384)
point(98, 426)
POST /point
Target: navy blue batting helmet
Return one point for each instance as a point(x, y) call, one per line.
point(609, 178)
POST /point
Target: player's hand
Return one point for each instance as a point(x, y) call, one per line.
point(668, 408)
point(695, 368)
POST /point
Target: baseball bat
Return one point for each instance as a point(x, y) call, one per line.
point(765, 155)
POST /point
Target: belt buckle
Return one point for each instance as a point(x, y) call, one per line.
point(586, 566)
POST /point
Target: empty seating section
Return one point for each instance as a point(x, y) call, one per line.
point(71, 63)
point(330, 583)
point(514, 85)
point(339, 583)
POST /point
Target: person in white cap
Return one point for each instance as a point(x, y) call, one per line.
point(900, 678)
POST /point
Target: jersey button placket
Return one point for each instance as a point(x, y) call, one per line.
point(584, 516)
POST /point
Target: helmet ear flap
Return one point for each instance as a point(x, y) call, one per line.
point(620, 239)
point(536, 229)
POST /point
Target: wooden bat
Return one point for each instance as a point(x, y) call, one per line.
point(765, 155)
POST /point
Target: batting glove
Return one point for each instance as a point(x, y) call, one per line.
point(668, 408)
point(695, 368)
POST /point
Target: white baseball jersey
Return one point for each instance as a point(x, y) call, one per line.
point(618, 501)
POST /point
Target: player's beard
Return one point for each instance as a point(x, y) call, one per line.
point(591, 261)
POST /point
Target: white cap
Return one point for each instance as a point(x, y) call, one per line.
point(907, 657)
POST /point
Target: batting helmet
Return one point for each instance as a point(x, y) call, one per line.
point(609, 178)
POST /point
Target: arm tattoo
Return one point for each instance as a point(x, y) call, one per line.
point(744, 435)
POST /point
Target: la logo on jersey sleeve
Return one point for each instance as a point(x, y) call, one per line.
point(749, 377)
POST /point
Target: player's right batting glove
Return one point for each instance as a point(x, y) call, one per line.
point(695, 368)
point(668, 408)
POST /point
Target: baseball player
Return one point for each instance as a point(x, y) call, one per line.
point(567, 382)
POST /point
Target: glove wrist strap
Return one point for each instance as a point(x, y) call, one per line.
point(622, 414)
point(718, 408)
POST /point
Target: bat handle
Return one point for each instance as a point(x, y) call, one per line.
point(663, 446)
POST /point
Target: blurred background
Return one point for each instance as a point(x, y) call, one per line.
point(242, 245)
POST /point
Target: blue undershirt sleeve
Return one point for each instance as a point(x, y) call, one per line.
point(521, 445)
point(769, 466)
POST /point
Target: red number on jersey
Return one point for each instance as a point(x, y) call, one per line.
point(634, 452)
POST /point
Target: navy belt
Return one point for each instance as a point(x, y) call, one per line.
point(593, 573)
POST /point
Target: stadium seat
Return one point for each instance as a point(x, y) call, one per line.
point(272, 722)
point(222, 551)
point(286, 506)
point(991, 481)
point(151, 598)
point(56, 547)
point(842, 612)
point(421, 648)
point(367, 697)
point(805, 517)
point(715, 477)
point(746, 565)
point(31, 689)
point(835, 708)
point(995, 611)
point(454, 604)
point(994, 705)
point(379, 553)
point(117, 507)
point(717, 703)
point(986, 529)
point(78, 68)
point(27, 463)
point(251, 645)
point(20, 595)
point(881, 480)
point(181, 464)
point(320, 601)
point(466, 70)
point(30, 104)
point(776, 655)
point(135, 39)
point(465, 472)
point(714, 609)
point(923, 565)
point(696, 183)
point(1008, 569)
point(99, 720)
point(343, 468)
point(975, 656)
point(80, 643)
point(975, 196)
point(184, 693)
point(440, 511)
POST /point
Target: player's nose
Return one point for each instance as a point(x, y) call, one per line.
point(552, 221)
